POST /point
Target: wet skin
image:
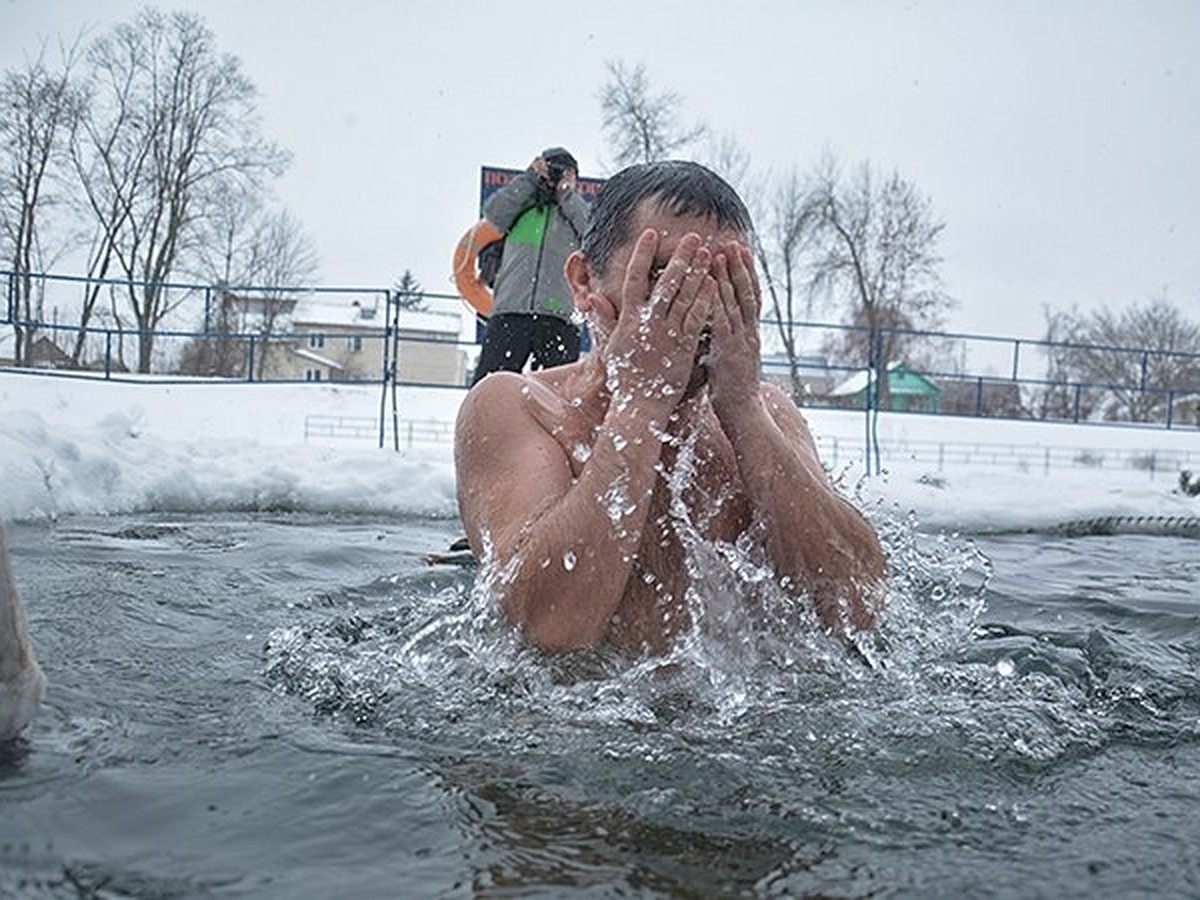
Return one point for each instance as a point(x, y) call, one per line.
point(22, 684)
point(565, 475)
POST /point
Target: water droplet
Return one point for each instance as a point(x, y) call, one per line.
point(569, 560)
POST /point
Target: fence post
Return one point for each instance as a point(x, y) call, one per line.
point(107, 353)
point(875, 373)
point(250, 360)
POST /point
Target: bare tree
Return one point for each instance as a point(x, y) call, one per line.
point(1061, 397)
point(257, 259)
point(1134, 362)
point(37, 108)
point(108, 168)
point(171, 123)
point(878, 258)
point(866, 246)
point(787, 235)
point(876, 255)
point(641, 126)
point(245, 242)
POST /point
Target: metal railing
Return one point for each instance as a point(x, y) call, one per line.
point(995, 377)
point(1028, 457)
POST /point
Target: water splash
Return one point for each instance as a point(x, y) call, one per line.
point(936, 685)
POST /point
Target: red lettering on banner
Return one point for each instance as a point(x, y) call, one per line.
point(493, 178)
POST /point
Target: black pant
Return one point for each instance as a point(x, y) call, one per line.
point(512, 337)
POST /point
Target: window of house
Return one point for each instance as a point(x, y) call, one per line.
point(316, 341)
point(312, 374)
point(356, 343)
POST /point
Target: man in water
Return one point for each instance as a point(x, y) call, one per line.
point(587, 485)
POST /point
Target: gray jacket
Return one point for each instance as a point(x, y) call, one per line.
point(538, 240)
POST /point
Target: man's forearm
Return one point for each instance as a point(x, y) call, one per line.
point(573, 563)
point(815, 537)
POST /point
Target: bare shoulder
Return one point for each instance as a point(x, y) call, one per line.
point(507, 405)
point(493, 400)
point(494, 427)
point(507, 464)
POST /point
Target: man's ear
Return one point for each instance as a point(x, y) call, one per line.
point(580, 280)
point(585, 289)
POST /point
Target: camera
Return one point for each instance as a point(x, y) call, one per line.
point(557, 160)
point(555, 169)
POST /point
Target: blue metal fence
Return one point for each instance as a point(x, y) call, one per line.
point(996, 377)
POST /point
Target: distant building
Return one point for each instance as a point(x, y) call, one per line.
point(980, 396)
point(813, 372)
point(906, 391)
point(43, 353)
point(331, 341)
point(334, 342)
point(250, 313)
point(1185, 410)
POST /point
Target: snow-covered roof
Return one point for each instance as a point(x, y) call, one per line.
point(429, 321)
point(317, 358)
point(857, 382)
point(322, 312)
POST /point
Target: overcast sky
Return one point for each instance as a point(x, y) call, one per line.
point(1058, 141)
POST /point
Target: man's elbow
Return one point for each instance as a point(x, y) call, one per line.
point(548, 628)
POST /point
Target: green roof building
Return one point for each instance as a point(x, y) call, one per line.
point(906, 391)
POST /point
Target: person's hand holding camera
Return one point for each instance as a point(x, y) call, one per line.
point(556, 171)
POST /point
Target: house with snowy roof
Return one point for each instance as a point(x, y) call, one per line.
point(814, 375)
point(906, 390)
point(334, 340)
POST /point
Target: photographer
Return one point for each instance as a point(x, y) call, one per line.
point(543, 218)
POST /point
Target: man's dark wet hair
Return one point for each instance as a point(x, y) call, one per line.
point(681, 187)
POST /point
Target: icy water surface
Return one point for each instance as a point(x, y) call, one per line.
point(296, 706)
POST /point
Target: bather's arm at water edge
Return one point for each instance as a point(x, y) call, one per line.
point(572, 564)
point(816, 539)
point(567, 564)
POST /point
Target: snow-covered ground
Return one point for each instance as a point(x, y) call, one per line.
point(74, 446)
